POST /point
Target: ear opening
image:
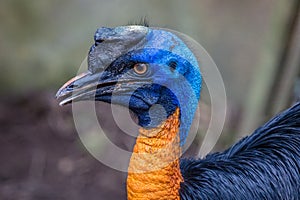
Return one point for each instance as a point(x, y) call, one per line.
point(173, 65)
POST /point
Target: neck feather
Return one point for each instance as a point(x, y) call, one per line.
point(154, 171)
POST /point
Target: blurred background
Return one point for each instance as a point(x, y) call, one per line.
point(255, 44)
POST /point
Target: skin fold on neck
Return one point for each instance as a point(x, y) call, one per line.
point(154, 171)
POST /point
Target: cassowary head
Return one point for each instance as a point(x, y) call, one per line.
point(151, 71)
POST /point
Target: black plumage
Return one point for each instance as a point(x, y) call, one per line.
point(264, 165)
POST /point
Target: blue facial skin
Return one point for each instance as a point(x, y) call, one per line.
point(173, 80)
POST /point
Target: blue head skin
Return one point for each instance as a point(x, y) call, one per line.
point(140, 68)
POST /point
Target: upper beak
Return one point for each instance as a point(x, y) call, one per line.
point(91, 86)
point(83, 87)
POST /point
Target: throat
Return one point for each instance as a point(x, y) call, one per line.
point(154, 170)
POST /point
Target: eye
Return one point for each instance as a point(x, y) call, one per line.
point(140, 68)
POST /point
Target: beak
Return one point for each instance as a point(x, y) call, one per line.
point(84, 87)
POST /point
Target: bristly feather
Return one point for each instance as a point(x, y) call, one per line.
point(264, 165)
point(142, 22)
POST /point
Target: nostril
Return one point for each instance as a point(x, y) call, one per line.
point(71, 87)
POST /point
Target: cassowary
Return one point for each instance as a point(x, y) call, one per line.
point(154, 73)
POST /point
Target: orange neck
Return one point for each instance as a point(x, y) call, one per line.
point(154, 171)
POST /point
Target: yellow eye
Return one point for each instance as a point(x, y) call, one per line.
point(140, 68)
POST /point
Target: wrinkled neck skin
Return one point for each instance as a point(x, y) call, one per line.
point(154, 171)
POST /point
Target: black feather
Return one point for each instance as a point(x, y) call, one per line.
point(264, 165)
point(142, 22)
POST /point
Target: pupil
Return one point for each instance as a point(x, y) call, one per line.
point(140, 68)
